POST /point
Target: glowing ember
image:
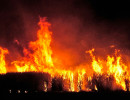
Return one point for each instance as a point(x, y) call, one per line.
point(38, 58)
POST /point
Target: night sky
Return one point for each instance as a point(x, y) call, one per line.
point(76, 24)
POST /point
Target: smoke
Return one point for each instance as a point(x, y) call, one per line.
point(77, 26)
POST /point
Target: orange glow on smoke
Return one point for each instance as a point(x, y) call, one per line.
point(38, 58)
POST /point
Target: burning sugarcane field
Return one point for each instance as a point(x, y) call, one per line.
point(64, 47)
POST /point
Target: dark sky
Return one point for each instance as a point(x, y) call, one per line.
point(75, 23)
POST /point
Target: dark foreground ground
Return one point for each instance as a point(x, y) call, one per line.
point(106, 95)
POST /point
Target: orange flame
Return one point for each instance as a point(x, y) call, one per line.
point(3, 51)
point(40, 60)
point(95, 64)
point(118, 70)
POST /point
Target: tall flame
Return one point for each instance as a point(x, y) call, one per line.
point(118, 70)
point(42, 50)
point(40, 60)
point(95, 64)
point(3, 51)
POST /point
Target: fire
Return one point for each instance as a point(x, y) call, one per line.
point(42, 50)
point(118, 70)
point(38, 58)
point(81, 80)
point(96, 64)
point(3, 51)
point(115, 67)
